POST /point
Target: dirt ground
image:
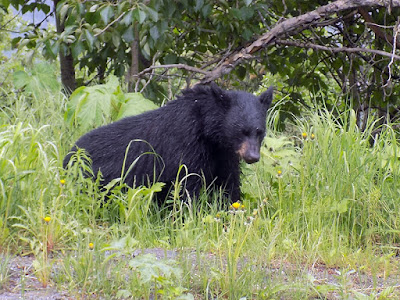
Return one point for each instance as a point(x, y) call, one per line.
point(22, 283)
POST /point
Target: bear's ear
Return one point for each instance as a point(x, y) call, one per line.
point(266, 97)
point(220, 96)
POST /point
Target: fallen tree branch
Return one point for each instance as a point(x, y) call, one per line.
point(335, 49)
point(172, 66)
point(287, 27)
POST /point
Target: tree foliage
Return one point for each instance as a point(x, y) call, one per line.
point(321, 50)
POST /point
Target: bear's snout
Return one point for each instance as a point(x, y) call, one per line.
point(249, 151)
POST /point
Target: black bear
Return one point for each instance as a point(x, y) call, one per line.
point(207, 129)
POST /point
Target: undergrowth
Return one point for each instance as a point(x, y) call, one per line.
point(325, 194)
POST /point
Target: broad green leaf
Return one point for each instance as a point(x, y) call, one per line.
point(72, 105)
point(112, 83)
point(129, 34)
point(135, 104)
point(26, 8)
point(42, 77)
point(154, 33)
point(93, 107)
point(4, 5)
point(170, 59)
point(23, 43)
point(69, 29)
point(77, 49)
point(246, 13)
point(128, 18)
point(55, 48)
point(106, 14)
point(63, 11)
point(44, 7)
point(15, 41)
point(247, 34)
point(199, 5)
point(146, 50)
point(142, 16)
point(206, 10)
point(150, 268)
point(152, 13)
point(116, 39)
point(21, 79)
point(88, 107)
point(80, 8)
point(89, 39)
point(94, 8)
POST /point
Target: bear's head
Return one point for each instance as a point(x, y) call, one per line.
point(244, 124)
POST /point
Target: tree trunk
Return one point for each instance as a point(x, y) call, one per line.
point(66, 60)
point(134, 67)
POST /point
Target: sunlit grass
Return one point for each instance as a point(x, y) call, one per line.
point(326, 193)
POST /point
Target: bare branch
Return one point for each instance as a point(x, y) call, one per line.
point(395, 34)
point(336, 49)
point(287, 27)
point(171, 66)
point(110, 24)
point(375, 28)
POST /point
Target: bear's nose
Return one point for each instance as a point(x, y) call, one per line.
point(249, 151)
point(252, 157)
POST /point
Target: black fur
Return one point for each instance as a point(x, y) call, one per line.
point(207, 129)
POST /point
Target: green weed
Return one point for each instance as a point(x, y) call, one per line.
point(323, 193)
point(4, 270)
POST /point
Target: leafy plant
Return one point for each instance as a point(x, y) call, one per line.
point(92, 106)
point(41, 77)
point(153, 277)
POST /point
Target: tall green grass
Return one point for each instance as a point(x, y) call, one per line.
point(340, 191)
point(326, 192)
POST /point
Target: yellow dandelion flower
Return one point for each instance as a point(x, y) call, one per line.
point(91, 246)
point(62, 181)
point(279, 173)
point(304, 135)
point(47, 219)
point(312, 136)
point(236, 205)
point(242, 207)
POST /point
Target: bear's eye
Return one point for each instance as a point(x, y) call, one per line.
point(259, 132)
point(246, 132)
